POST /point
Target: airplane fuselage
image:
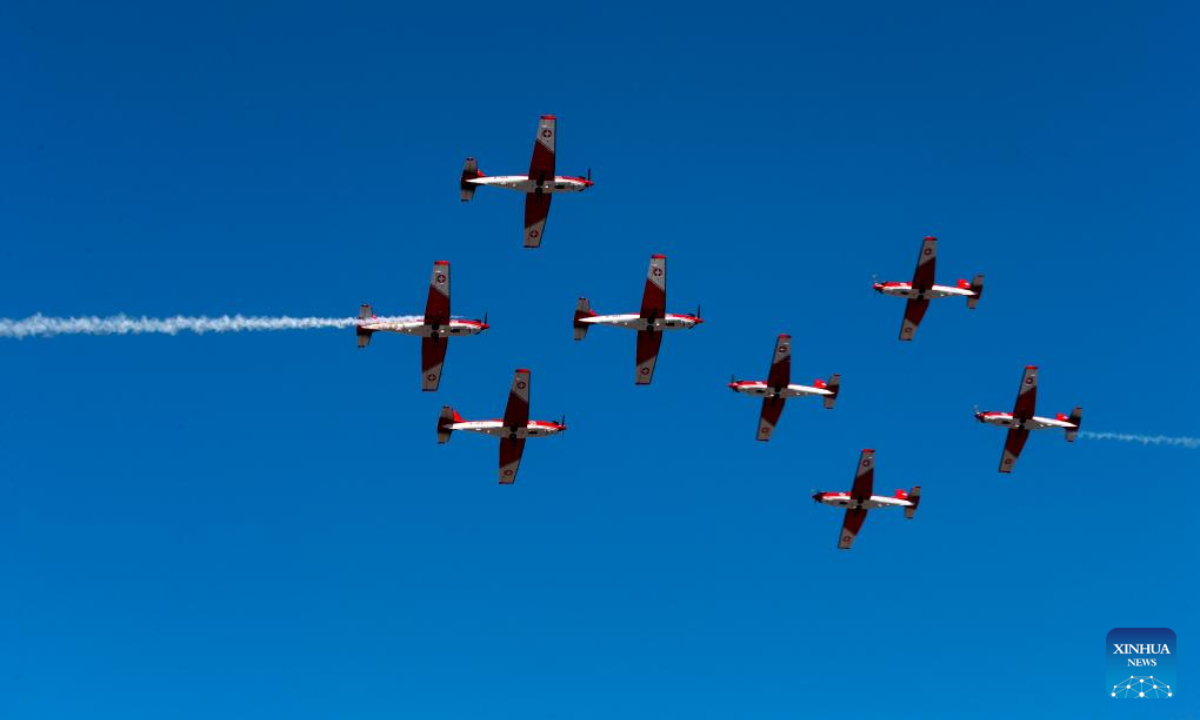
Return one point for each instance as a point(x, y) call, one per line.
point(1007, 420)
point(634, 321)
point(758, 388)
point(497, 428)
point(843, 500)
point(454, 328)
point(905, 290)
point(522, 183)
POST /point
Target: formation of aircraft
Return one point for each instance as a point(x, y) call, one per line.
point(513, 429)
point(778, 387)
point(650, 322)
point(435, 328)
point(922, 289)
point(1022, 420)
point(861, 499)
point(539, 184)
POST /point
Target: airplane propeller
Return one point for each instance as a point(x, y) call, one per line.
point(563, 421)
point(589, 175)
point(698, 313)
point(486, 327)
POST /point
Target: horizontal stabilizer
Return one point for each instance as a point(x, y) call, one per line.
point(914, 497)
point(833, 385)
point(364, 335)
point(977, 288)
point(445, 421)
point(583, 309)
point(1075, 419)
point(470, 172)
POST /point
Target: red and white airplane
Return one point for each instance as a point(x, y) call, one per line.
point(435, 329)
point(922, 289)
point(512, 430)
point(1021, 420)
point(778, 387)
point(538, 185)
point(650, 322)
point(859, 500)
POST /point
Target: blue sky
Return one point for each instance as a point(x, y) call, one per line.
point(262, 525)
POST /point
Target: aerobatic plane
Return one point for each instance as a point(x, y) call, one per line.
point(1021, 420)
point(859, 500)
point(922, 289)
point(435, 329)
point(538, 185)
point(650, 322)
point(512, 430)
point(778, 387)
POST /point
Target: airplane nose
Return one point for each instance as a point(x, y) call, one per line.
point(485, 326)
point(818, 496)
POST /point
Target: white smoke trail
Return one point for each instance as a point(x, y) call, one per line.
point(41, 326)
point(1190, 443)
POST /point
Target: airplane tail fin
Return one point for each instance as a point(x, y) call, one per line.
point(1075, 419)
point(448, 417)
point(833, 385)
point(977, 288)
point(914, 497)
point(470, 172)
point(583, 309)
point(364, 335)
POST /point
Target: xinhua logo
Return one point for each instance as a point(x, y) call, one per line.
point(1140, 663)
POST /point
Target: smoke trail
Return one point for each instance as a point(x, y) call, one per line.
point(1190, 443)
point(41, 326)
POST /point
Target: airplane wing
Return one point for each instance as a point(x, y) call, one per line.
point(914, 310)
point(541, 167)
point(1027, 394)
point(781, 363)
point(648, 343)
point(437, 307)
point(850, 527)
point(654, 297)
point(1012, 448)
point(537, 209)
point(510, 459)
point(864, 477)
point(516, 413)
point(772, 408)
point(433, 356)
point(923, 277)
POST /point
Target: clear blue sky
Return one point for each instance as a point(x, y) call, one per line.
point(262, 525)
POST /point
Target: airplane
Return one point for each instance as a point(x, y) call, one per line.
point(859, 500)
point(1021, 420)
point(650, 322)
point(777, 388)
point(922, 289)
point(538, 185)
point(512, 430)
point(434, 329)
